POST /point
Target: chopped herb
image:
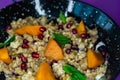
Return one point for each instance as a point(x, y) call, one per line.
point(8, 41)
point(2, 44)
point(62, 17)
point(74, 73)
point(61, 39)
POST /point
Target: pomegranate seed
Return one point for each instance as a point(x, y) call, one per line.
point(53, 61)
point(104, 53)
point(25, 46)
point(60, 27)
point(25, 41)
point(23, 59)
point(74, 31)
point(7, 28)
point(40, 36)
point(35, 55)
point(84, 35)
point(68, 51)
point(24, 66)
point(69, 25)
point(42, 29)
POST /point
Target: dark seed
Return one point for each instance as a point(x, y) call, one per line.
point(35, 55)
point(25, 46)
point(25, 41)
point(53, 61)
point(24, 66)
point(42, 29)
point(40, 36)
point(23, 59)
point(68, 51)
point(7, 28)
point(103, 53)
point(60, 27)
point(74, 31)
point(84, 35)
point(69, 25)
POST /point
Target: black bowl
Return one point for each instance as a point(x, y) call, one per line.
point(108, 30)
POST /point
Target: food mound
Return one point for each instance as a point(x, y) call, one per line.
point(51, 49)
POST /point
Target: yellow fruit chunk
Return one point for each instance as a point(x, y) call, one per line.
point(94, 59)
point(4, 56)
point(44, 72)
point(81, 28)
point(32, 30)
point(53, 50)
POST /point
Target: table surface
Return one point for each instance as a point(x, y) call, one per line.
point(111, 7)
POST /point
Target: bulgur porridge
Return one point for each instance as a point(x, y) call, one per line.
point(51, 49)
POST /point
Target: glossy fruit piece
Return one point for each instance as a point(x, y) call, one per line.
point(60, 27)
point(45, 72)
point(41, 36)
point(94, 59)
point(25, 46)
point(42, 29)
point(81, 28)
point(4, 56)
point(35, 55)
point(74, 31)
point(32, 30)
point(53, 50)
point(25, 41)
point(24, 66)
point(23, 59)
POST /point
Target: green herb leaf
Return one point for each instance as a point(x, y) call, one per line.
point(62, 17)
point(1, 45)
point(9, 40)
point(73, 77)
point(61, 39)
point(75, 74)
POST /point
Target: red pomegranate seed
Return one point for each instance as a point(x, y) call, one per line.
point(74, 31)
point(7, 28)
point(25, 41)
point(53, 61)
point(60, 27)
point(24, 66)
point(42, 29)
point(23, 59)
point(68, 51)
point(103, 53)
point(40, 36)
point(25, 46)
point(84, 35)
point(69, 25)
point(35, 55)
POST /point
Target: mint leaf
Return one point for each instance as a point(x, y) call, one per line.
point(9, 40)
point(62, 17)
point(75, 74)
point(1, 45)
point(60, 39)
